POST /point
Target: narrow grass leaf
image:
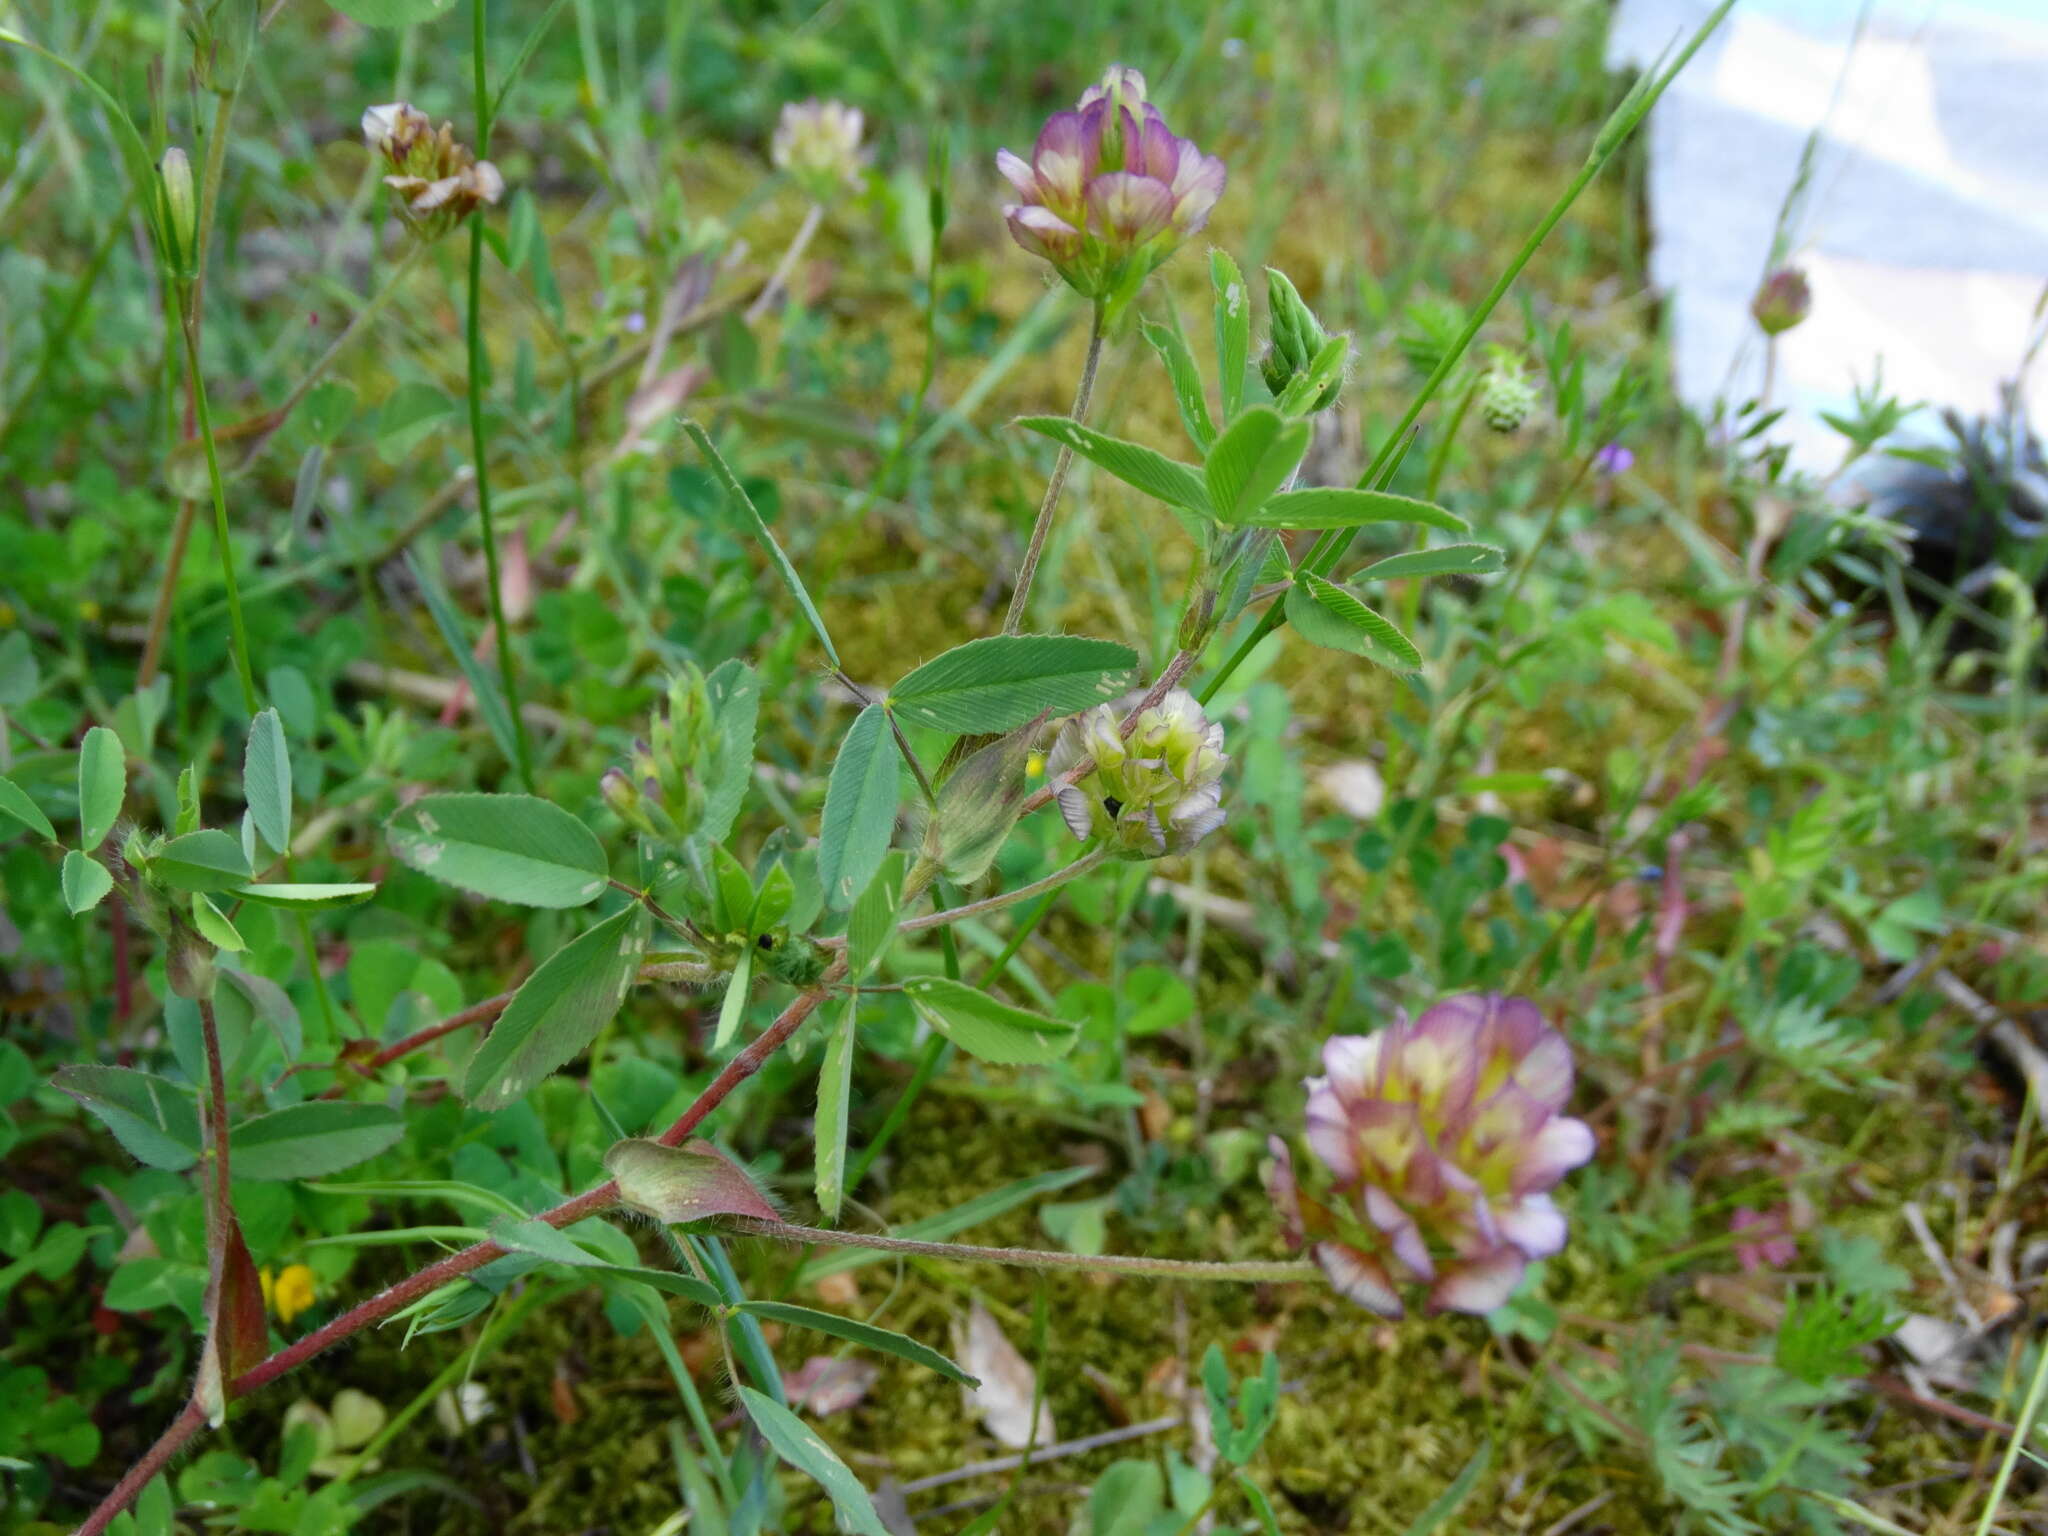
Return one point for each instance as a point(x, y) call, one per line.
point(1141, 468)
point(798, 1444)
point(861, 799)
point(1445, 1504)
point(483, 687)
point(857, 1332)
point(1002, 681)
point(783, 568)
point(392, 13)
point(517, 848)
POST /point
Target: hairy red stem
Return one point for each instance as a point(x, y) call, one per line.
point(188, 1423)
point(475, 1013)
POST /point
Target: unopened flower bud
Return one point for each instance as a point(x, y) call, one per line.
point(437, 182)
point(1297, 338)
point(1154, 792)
point(1506, 392)
point(1109, 191)
point(1784, 300)
point(179, 204)
point(817, 144)
point(1437, 1144)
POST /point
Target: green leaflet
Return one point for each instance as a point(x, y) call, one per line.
point(984, 1027)
point(558, 1011)
point(1330, 506)
point(1003, 681)
point(1331, 615)
point(861, 799)
point(1249, 463)
point(1168, 480)
point(312, 1140)
point(267, 780)
point(155, 1119)
point(516, 848)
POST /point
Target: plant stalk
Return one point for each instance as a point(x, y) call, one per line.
point(604, 1197)
point(204, 419)
point(479, 446)
point(1020, 597)
point(1252, 1271)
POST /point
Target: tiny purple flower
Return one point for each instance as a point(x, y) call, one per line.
point(1613, 459)
point(1769, 1242)
point(1109, 191)
point(1438, 1143)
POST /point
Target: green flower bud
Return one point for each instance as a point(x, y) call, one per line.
point(1293, 329)
point(1784, 300)
point(178, 205)
point(1506, 392)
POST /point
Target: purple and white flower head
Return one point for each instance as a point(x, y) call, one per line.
point(817, 144)
point(1156, 791)
point(1436, 1146)
point(1109, 191)
point(438, 182)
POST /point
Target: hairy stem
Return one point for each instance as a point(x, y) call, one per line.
point(219, 1212)
point(209, 198)
point(778, 280)
point(1002, 899)
point(423, 1282)
point(1020, 597)
point(1330, 546)
point(1251, 1271)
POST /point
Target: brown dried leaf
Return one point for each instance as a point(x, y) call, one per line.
point(1003, 1400)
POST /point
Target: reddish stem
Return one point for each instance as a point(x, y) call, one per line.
point(476, 1013)
point(188, 1423)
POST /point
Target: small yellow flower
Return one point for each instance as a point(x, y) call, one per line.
point(289, 1293)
